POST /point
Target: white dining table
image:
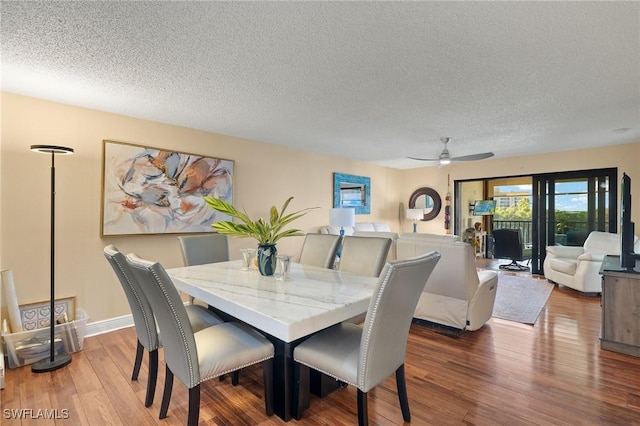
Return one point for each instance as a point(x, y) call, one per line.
point(287, 312)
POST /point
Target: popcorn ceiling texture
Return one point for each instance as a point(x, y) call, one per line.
point(374, 81)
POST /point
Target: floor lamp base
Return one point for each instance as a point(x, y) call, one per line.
point(46, 364)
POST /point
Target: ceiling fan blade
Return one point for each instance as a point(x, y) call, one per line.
point(424, 159)
point(473, 157)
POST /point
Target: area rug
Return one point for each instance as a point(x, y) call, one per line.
point(520, 299)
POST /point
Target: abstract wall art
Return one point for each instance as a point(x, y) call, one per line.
point(149, 190)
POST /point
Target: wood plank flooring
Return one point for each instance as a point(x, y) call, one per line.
point(553, 373)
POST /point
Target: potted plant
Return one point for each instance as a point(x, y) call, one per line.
point(266, 232)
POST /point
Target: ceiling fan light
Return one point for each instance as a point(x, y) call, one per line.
point(445, 161)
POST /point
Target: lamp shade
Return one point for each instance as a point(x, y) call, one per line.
point(342, 217)
point(415, 214)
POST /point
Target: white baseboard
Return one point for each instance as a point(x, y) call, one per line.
point(111, 324)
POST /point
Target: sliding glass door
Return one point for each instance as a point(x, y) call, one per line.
point(568, 206)
point(549, 209)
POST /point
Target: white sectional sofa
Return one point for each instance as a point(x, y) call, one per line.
point(349, 230)
point(457, 294)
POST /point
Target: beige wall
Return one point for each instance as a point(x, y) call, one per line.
point(264, 175)
point(80, 267)
point(625, 157)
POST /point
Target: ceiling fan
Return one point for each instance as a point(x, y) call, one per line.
point(445, 158)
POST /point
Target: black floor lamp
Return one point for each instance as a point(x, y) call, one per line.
point(52, 363)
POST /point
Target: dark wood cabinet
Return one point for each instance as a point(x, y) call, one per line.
point(620, 308)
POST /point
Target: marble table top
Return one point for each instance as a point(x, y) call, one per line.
point(312, 299)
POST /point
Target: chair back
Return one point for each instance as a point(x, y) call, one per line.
point(507, 244)
point(201, 249)
point(141, 310)
point(386, 327)
point(364, 255)
point(319, 250)
point(602, 243)
point(178, 341)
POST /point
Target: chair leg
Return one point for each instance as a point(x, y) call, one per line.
point(152, 378)
point(267, 373)
point(363, 418)
point(402, 393)
point(138, 361)
point(235, 377)
point(166, 395)
point(194, 406)
point(301, 377)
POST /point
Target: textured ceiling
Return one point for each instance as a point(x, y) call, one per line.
point(373, 81)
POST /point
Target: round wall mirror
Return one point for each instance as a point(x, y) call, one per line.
point(427, 199)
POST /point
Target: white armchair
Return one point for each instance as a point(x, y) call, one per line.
point(457, 294)
point(579, 267)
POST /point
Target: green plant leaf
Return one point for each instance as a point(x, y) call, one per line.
point(263, 231)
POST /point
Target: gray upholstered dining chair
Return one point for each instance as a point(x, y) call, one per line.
point(144, 321)
point(364, 357)
point(196, 356)
point(319, 250)
point(201, 249)
point(363, 256)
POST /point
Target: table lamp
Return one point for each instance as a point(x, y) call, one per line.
point(342, 217)
point(415, 215)
point(52, 363)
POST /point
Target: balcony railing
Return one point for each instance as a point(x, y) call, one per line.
point(523, 225)
point(574, 233)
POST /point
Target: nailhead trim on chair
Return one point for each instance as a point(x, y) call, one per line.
point(235, 369)
point(182, 332)
point(144, 313)
point(374, 310)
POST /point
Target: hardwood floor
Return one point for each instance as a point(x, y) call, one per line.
point(553, 373)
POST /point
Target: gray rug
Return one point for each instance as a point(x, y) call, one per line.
point(521, 299)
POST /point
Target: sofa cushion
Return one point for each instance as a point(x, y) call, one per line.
point(381, 227)
point(363, 226)
point(564, 265)
point(368, 227)
point(602, 243)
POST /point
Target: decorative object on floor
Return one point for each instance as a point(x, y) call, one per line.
point(52, 363)
point(267, 233)
point(38, 314)
point(445, 158)
point(521, 299)
point(154, 191)
point(352, 191)
point(415, 215)
point(8, 288)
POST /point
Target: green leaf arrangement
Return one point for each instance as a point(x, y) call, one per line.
point(265, 232)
